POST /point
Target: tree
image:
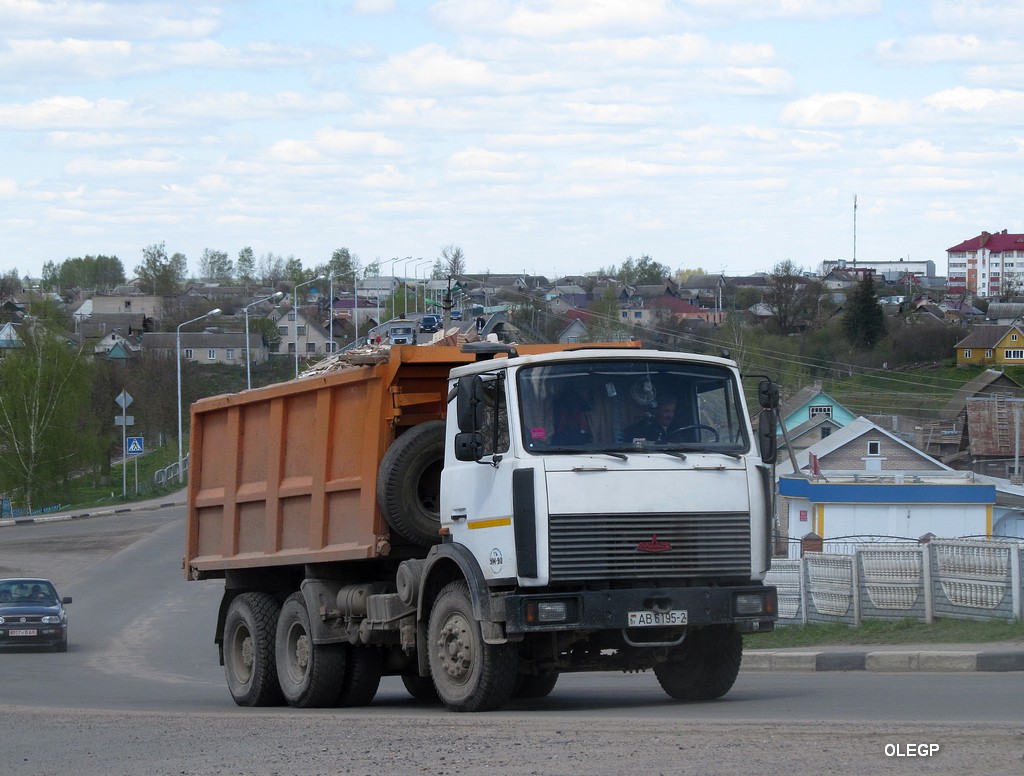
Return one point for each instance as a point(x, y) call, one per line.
point(245, 266)
point(453, 261)
point(606, 324)
point(863, 319)
point(372, 269)
point(10, 284)
point(271, 269)
point(644, 271)
point(43, 386)
point(790, 296)
point(216, 267)
point(160, 274)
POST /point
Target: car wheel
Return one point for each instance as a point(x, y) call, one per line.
point(61, 646)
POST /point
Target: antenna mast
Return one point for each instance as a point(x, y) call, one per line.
point(855, 231)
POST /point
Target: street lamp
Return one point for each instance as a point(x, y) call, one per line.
point(248, 371)
point(379, 276)
point(177, 341)
point(416, 290)
point(405, 294)
point(295, 312)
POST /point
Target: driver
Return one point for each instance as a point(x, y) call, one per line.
point(656, 426)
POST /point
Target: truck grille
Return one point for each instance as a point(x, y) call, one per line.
point(632, 546)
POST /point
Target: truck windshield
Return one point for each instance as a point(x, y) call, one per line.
point(624, 406)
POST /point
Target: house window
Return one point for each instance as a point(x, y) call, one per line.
point(128, 305)
point(311, 347)
point(211, 354)
point(1012, 355)
point(188, 354)
point(821, 411)
point(874, 448)
point(229, 354)
point(291, 316)
point(330, 347)
point(638, 314)
point(291, 347)
point(967, 352)
point(1013, 337)
point(625, 314)
point(301, 331)
point(988, 354)
point(282, 330)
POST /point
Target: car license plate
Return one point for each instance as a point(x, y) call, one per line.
point(22, 632)
point(653, 619)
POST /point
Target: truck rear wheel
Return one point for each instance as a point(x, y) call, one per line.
point(704, 666)
point(420, 687)
point(534, 685)
point(310, 675)
point(249, 650)
point(363, 669)
point(409, 483)
point(469, 674)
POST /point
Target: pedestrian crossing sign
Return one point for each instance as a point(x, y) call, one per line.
point(135, 446)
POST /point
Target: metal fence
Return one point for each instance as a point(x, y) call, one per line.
point(954, 578)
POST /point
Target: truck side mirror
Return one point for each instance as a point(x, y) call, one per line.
point(766, 436)
point(469, 403)
point(768, 394)
point(469, 446)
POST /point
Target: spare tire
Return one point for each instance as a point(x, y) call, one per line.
point(409, 483)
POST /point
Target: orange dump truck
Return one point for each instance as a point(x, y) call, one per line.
point(479, 521)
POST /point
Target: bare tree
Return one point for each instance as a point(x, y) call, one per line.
point(791, 296)
point(453, 261)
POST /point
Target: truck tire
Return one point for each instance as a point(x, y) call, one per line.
point(703, 667)
point(409, 483)
point(420, 687)
point(469, 674)
point(310, 675)
point(534, 685)
point(249, 650)
point(363, 669)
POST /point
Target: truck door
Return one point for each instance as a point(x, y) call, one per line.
point(476, 495)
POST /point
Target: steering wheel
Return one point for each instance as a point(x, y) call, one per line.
point(671, 435)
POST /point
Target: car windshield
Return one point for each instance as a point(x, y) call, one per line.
point(39, 592)
point(631, 406)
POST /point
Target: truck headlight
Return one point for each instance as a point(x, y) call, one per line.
point(748, 604)
point(547, 611)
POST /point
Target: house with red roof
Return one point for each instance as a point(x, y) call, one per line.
point(989, 265)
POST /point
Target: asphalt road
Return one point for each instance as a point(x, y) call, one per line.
point(140, 691)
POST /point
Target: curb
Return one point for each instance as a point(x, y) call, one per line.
point(885, 661)
point(12, 521)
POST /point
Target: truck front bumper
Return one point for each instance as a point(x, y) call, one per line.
point(750, 608)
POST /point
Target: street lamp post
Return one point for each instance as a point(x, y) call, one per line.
point(177, 342)
point(295, 312)
point(379, 276)
point(416, 290)
point(405, 293)
point(248, 361)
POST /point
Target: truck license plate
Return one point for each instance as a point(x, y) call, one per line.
point(653, 619)
point(23, 632)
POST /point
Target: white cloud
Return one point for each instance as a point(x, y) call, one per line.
point(58, 18)
point(992, 104)
point(8, 188)
point(848, 109)
point(64, 111)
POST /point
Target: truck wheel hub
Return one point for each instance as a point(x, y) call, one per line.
point(454, 648)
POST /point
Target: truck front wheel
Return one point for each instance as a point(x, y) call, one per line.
point(249, 650)
point(469, 674)
point(310, 675)
point(704, 666)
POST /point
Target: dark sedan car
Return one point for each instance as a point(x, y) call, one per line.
point(32, 614)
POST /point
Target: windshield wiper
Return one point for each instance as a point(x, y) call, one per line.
point(581, 451)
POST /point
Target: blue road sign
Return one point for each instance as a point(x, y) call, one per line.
point(135, 446)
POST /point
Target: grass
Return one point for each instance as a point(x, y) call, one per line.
point(84, 494)
point(883, 632)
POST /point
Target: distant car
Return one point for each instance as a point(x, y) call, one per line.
point(430, 323)
point(32, 614)
point(403, 333)
point(456, 315)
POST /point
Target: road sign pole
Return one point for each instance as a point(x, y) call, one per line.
point(124, 450)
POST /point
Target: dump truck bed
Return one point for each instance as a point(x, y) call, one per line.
point(287, 474)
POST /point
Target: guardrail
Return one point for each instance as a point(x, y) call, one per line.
point(955, 578)
point(168, 474)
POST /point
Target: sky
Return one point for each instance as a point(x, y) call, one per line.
point(548, 136)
